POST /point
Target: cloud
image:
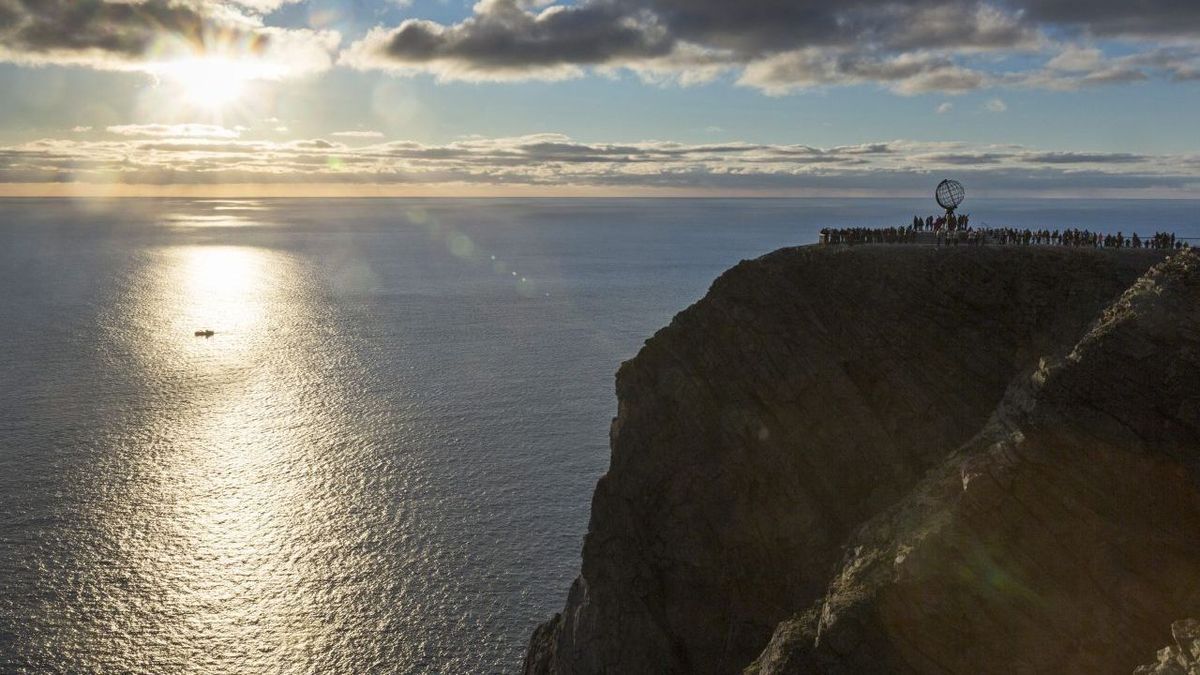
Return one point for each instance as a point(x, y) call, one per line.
point(174, 130)
point(265, 6)
point(1085, 158)
point(358, 134)
point(782, 46)
point(555, 161)
point(1077, 67)
point(995, 105)
point(779, 46)
point(965, 158)
point(146, 35)
point(315, 144)
point(909, 47)
point(1119, 17)
point(944, 108)
point(668, 39)
point(504, 41)
point(907, 74)
point(1076, 58)
point(115, 30)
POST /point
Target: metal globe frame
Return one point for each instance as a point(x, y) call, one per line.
point(949, 194)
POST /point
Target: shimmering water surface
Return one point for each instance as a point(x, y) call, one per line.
point(382, 460)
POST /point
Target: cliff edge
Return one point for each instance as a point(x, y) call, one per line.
point(901, 459)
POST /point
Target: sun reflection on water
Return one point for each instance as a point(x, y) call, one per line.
point(220, 518)
point(225, 289)
point(189, 221)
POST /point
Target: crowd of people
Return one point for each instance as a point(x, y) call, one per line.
point(948, 223)
point(1085, 238)
point(951, 230)
point(868, 235)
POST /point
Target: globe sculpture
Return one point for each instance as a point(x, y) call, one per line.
point(949, 194)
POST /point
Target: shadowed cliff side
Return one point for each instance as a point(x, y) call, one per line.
point(1063, 539)
point(808, 393)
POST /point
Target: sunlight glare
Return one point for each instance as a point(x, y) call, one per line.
point(211, 84)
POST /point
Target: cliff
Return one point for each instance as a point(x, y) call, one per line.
point(901, 459)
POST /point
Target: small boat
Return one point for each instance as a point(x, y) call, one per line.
point(205, 333)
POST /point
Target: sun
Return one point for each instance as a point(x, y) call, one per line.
point(209, 83)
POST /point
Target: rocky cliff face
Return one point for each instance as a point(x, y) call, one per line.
point(894, 459)
point(1181, 658)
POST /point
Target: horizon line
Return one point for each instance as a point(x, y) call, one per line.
point(385, 191)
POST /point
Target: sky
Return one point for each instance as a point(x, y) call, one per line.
point(599, 97)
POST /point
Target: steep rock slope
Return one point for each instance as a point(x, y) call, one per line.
point(1065, 538)
point(808, 393)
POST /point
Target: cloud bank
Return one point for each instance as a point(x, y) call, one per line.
point(173, 130)
point(146, 35)
point(780, 46)
point(774, 46)
point(552, 161)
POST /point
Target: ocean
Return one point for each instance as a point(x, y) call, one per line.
point(382, 459)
